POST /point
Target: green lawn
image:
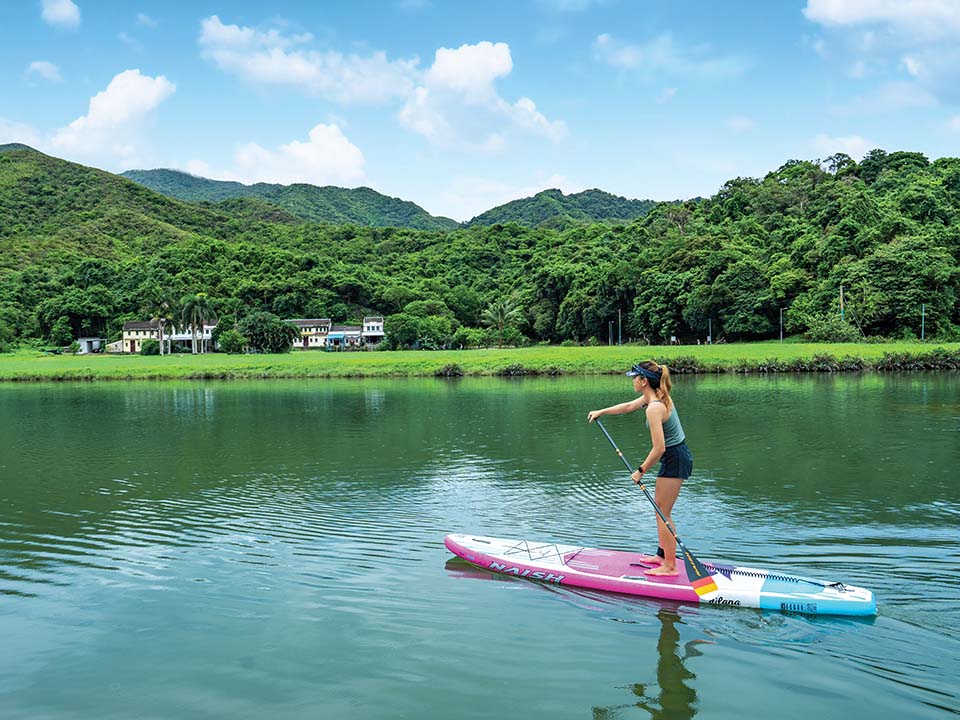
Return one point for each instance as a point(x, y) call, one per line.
point(29, 365)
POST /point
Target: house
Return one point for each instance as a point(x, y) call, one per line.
point(322, 334)
point(91, 345)
point(313, 333)
point(136, 331)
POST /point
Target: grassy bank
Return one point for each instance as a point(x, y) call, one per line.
point(746, 357)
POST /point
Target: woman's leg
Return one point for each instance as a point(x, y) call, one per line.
point(666, 495)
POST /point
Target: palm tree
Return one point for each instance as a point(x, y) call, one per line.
point(196, 310)
point(501, 313)
point(163, 313)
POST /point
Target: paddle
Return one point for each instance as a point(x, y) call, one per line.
point(700, 579)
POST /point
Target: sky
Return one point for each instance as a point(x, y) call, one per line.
point(461, 106)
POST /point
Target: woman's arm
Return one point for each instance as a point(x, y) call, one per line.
point(620, 409)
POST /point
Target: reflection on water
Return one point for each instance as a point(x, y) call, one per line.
point(673, 696)
point(249, 549)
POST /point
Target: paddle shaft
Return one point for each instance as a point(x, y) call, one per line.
point(693, 562)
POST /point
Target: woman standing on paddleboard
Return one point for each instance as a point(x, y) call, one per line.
point(652, 382)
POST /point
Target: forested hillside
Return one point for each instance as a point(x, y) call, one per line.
point(553, 208)
point(97, 249)
point(336, 205)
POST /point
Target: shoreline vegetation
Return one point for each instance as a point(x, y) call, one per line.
point(761, 357)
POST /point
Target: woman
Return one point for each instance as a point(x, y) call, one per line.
point(652, 382)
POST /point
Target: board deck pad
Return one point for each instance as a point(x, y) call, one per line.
point(623, 572)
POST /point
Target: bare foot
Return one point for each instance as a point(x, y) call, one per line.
point(663, 571)
point(649, 560)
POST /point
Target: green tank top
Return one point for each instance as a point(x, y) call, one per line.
point(672, 429)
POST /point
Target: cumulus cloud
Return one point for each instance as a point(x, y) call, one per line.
point(14, 132)
point(112, 128)
point(917, 36)
point(44, 69)
point(60, 13)
point(853, 145)
point(453, 102)
point(273, 58)
point(458, 103)
point(922, 18)
point(327, 157)
point(663, 56)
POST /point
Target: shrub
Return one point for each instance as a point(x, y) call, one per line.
point(150, 347)
point(231, 341)
point(831, 330)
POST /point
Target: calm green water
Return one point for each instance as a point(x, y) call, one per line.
point(275, 549)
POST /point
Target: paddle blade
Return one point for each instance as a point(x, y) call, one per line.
point(704, 586)
point(701, 580)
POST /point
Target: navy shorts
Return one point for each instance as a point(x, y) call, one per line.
point(677, 462)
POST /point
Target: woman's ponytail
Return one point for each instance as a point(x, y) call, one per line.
point(663, 384)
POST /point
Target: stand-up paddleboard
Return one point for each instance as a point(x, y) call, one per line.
point(622, 572)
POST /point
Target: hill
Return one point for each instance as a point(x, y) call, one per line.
point(553, 208)
point(335, 205)
point(85, 250)
point(50, 206)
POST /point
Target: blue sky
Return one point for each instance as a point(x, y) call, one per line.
point(460, 106)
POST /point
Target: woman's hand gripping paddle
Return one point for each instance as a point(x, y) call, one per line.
point(700, 579)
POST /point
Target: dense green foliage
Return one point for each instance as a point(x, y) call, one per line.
point(339, 206)
point(551, 208)
point(97, 249)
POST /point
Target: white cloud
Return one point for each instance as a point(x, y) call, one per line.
point(468, 196)
point(63, 13)
point(922, 18)
point(918, 36)
point(45, 69)
point(111, 129)
point(570, 6)
point(145, 20)
point(912, 65)
point(953, 124)
point(272, 58)
point(130, 42)
point(14, 132)
point(853, 145)
point(662, 56)
point(741, 123)
point(470, 69)
point(667, 95)
point(887, 98)
point(326, 158)
point(458, 103)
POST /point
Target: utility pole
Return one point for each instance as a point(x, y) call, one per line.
point(710, 331)
point(781, 324)
point(610, 333)
point(923, 314)
point(619, 328)
point(841, 302)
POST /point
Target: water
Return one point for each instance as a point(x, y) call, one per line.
point(274, 549)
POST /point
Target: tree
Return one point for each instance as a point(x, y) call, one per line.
point(61, 333)
point(501, 313)
point(268, 333)
point(162, 311)
point(196, 310)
